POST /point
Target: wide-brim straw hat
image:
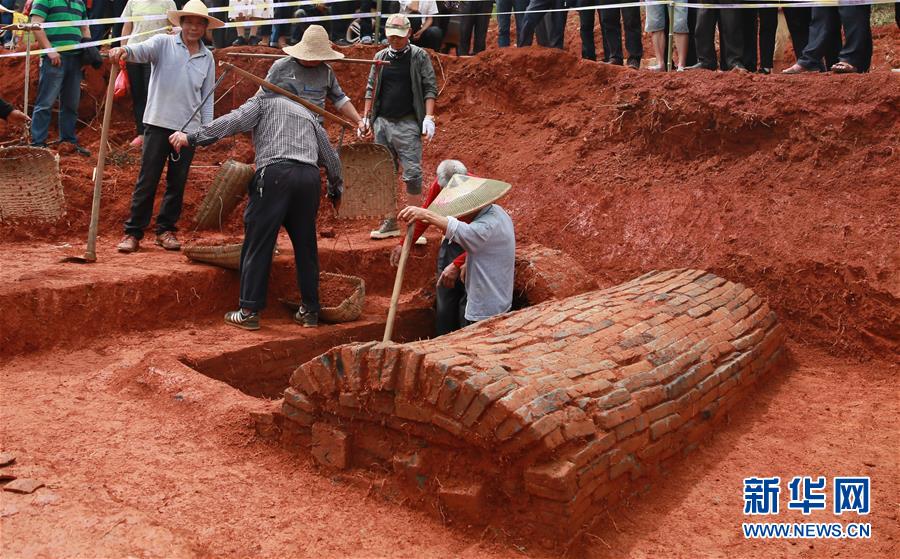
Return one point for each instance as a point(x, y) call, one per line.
point(194, 8)
point(465, 195)
point(314, 46)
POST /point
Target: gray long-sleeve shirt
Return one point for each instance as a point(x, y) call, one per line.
point(178, 83)
point(490, 242)
point(313, 83)
point(282, 131)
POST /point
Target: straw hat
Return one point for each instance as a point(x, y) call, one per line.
point(397, 26)
point(314, 46)
point(194, 8)
point(465, 195)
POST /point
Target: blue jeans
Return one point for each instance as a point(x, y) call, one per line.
point(504, 20)
point(63, 82)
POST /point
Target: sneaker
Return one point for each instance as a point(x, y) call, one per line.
point(305, 318)
point(239, 42)
point(254, 40)
point(168, 241)
point(634, 64)
point(241, 320)
point(387, 230)
point(137, 142)
point(129, 243)
point(422, 241)
point(367, 40)
point(655, 68)
point(764, 71)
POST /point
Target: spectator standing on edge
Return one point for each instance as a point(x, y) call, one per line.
point(183, 75)
point(421, 13)
point(656, 26)
point(400, 109)
point(60, 75)
point(612, 21)
point(731, 39)
point(139, 74)
point(759, 24)
point(825, 26)
point(474, 25)
point(534, 16)
point(504, 19)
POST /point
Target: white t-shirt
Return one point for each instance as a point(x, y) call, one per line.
point(147, 8)
point(426, 7)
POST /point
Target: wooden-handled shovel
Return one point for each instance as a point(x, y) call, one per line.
point(398, 283)
point(90, 254)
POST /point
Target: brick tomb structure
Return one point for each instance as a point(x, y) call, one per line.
point(545, 416)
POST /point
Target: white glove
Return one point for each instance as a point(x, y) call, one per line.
point(428, 127)
point(363, 127)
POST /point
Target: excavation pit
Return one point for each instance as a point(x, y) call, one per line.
point(263, 370)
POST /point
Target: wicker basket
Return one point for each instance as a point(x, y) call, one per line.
point(349, 309)
point(228, 188)
point(225, 256)
point(30, 187)
point(370, 182)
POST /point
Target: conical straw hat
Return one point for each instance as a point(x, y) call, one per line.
point(314, 46)
point(465, 195)
point(193, 8)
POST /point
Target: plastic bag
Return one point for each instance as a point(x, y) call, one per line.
point(122, 84)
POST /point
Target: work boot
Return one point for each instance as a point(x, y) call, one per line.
point(241, 320)
point(306, 319)
point(387, 230)
point(129, 243)
point(168, 241)
point(422, 241)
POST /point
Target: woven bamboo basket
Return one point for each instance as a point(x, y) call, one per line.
point(348, 310)
point(228, 188)
point(30, 186)
point(370, 182)
point(224, 256)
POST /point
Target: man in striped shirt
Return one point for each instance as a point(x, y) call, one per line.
point(290, 147)
point(60, 75)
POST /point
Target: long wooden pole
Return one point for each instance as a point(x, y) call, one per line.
point(91, 254)
point(398, 284)
point(274, 88)
point(347, 60)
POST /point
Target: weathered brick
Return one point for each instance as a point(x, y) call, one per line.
point(330, 446)
point(631, 426)
point(299, 400)
point(609, 419)
point(593, 449)
point(664, 425)
point(615, 398)
point(486, 397)
point(559, 476)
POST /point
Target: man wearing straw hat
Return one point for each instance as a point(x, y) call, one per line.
point(314, 80)
point(179, 98)
point(489, 240)
point(400, 109)
point(290, 146)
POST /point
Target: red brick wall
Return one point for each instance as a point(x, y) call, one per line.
point(558, 408)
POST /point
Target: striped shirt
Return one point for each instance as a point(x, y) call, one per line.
point(61, 10)
point(282, 131)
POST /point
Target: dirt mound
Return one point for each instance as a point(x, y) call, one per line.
point(784, 183)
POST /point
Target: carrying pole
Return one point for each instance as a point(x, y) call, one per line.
point(398, 284)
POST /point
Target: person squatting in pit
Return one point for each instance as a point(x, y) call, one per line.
point(290, 146)
point(489, 241)
point(450, 293)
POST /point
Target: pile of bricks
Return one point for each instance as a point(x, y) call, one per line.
point(551, 413)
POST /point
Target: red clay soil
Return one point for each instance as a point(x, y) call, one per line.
point(786, 184)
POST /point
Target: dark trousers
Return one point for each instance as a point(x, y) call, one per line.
point(154, 156)
point(286, 194)
point(612, 22)
point(798, 25)
point(759, 23)
point(366, 24)
point(504, 21)
point(825, 28)
point(6, 19)
point(102, 9)
point(730, 35)
point(450, 313)
point(431, 38)
point(525, 35)
point(139, 82)
point(474, 27)
point(586, 30)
